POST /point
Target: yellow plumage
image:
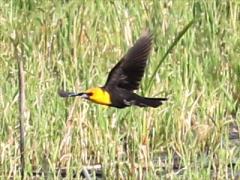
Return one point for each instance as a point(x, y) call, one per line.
point(99, 96)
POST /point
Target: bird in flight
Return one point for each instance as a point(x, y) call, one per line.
point(123, 79)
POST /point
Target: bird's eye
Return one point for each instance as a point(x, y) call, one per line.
point(90, 94)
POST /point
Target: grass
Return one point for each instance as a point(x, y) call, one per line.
point(73, 45)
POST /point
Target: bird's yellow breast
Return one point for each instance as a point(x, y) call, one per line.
point(99, 96)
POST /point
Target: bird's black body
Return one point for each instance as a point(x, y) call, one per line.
point(124, 78)
point(123, 98)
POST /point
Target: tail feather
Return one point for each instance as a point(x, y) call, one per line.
point(152, 102)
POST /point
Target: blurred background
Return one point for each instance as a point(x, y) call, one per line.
point(72, 45)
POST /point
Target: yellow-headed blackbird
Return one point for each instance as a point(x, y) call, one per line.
point(123, 79)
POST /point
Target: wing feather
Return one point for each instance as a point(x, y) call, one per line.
point(128, 72)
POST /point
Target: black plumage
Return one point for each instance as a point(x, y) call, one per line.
point(127, 74)
point(124, 78)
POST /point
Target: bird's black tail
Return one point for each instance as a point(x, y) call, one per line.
point(149, 102)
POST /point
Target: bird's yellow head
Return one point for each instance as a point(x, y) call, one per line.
point(97, 95)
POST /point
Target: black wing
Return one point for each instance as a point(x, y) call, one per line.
point(128, 72)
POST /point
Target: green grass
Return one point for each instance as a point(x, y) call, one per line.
point(73, 45)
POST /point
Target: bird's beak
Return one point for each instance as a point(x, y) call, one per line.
point(83, 95)
point(73, 94)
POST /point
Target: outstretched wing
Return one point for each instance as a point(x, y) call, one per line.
point(128, 72)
